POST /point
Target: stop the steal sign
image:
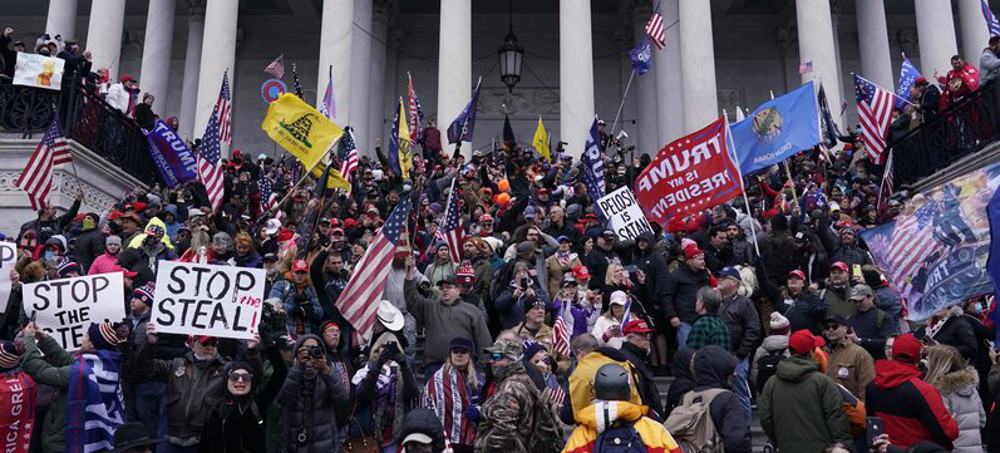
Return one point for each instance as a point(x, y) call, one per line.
point(205, 299)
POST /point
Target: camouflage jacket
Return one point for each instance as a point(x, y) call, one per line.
point(517, 419)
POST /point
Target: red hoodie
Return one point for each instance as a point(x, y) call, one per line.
point(911, 409)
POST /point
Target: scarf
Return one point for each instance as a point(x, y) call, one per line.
point(388, 403)
point(448, 394)
point(564, 258)
point(95, 405)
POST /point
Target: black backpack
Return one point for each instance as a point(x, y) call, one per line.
point(620, 438)
point(767, 365)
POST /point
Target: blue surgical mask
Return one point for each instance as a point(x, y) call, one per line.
point(49, 254)
point(977, 309)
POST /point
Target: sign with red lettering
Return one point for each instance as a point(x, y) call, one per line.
point(17, 416)
point(205, 299)
point(690, 175)
point(64, 308)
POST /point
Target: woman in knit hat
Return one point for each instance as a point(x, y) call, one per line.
point(108, 260)
point(774, 348)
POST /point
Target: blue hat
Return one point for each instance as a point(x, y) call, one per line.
point(461, 343)
point(731, 272)
point(532, 348)
point(560, 239)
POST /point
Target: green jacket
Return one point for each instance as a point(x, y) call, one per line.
point(53, 369)
point(817, 417)
point(709, 329)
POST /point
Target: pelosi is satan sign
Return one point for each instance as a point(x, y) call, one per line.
point(689, 175)
point(204, 299)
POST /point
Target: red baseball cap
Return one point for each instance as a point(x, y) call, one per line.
point(581, 272)
point(839, 265)
point(300, 266)
point(128, 273)
point(906, 348)
point(692, 251)
point(202, 338)
point(802, 342)
point(637, 326)
point(797, 274)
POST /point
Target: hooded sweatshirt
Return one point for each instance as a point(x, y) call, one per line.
point(713, 367)
point(911, 409)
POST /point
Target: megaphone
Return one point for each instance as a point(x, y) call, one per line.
point(621, 135)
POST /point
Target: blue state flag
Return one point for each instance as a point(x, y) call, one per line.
point(593, 168)
point(462, 129)
point(393, 153)
point(641, 55)
point(908, 75)
point(778, 129)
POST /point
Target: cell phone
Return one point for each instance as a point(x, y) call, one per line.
point(631, 268)
point(856, 269)
point(873, 430)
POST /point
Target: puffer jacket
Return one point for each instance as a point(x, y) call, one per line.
point(309, 404)
point(602, 414)
point(958, 389)
point(911, 409)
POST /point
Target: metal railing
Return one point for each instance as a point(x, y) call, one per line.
point(964, 129)
point(25, 110)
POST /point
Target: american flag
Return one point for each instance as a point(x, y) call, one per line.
point(210, 171)
point(36, 179)
point(452, 226)
point(416, 113)
point(329, 106)
point(875, 115)
point(655, 29)
point(225, 112)
point(806, 68)
point(276, 67)
point(349, 159)
point(267, 197)
point(912, 242)
point(991, 19)
point(359, 300)
point(560, 335)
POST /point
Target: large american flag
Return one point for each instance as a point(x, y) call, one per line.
point(875, 115)
point(210, 171)
point(452, 226)
point(359, 300)
point(36, 179)
point(655, 28)
point(912, 242)
point(991, 19)
point(224, 107)
point(276, 67)
point(416, 113)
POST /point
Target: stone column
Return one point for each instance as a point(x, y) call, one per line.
point(61, 19)
point(192, 66)
point(376, 100)
point(669, 80)
point(104, 34)
point(935, 36)
point(815, 29)
point(391, 91)
point(361, 54)
point(975, 35)
point(156, 50)
point(576, 75)
point(873, 40)
point(335, 43)
point(454, 66)
point(218, 56)
point(701, 104)
point(646, 137)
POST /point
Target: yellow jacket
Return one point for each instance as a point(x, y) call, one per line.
point(594, 419)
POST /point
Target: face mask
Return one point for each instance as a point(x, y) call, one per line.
point(49, 255)
point(977, 309)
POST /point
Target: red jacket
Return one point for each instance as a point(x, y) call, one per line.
point(911, 409)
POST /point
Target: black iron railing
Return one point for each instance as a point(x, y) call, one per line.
point(26, 110)
point(966, 128)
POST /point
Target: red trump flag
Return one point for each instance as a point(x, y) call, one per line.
point(690, 175)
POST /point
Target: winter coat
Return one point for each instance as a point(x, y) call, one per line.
point(838, 301)
point(556, 270)
point(120, 98)
point(817, 417)
point(647, 385)
point(601, 326)
point(53, 369)
point(959, 389)
point(683, 380)
point(805, 311)
point(713, 367)
point(777, 248)
point(445, 322)
point(103, 264)
point(771, 345)
point(890, 302)
point(850, 366)
point(741, 316)
point(681, 289)
point(654, 436)
point(873, 327)
point(911, 409)
point(509, 422)
point(989, 66)
point(511, 309)
point(306, 315)
point(88, 247)
point(957, 333)
point(309, 405)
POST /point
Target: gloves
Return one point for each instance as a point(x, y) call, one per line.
point(472, 413)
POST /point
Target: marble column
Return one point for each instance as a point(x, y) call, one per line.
point(61, 19)
point(669, 81)
point(335, 43)
point(376, 98)
point(218, 57)
point(392, 89)
point(935, 36)
point(701, 104)
point(576, 75)
point(157, 48)
point(975, 35)
point(816, 44)
point(361, 54)
point(192, 65)
point(454, 66)
point(104, 34)
point(646, 137)
point(873, 39)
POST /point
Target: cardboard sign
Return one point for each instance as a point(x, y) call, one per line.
point(8, 258)
point(625, 216)
point(39, 71)
point(65, 308)
point(204, 299)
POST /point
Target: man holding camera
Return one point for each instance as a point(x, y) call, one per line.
point(297, 298)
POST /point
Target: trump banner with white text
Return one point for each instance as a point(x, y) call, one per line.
point(691, 174)
point(205, 299)
point(172, 156)
point(66, 307)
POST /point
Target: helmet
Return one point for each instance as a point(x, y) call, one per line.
point(611, 383)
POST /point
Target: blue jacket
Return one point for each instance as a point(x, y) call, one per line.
point(304, 317)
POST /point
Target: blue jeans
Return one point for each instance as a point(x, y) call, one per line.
point(682, 335)
point(148, 407)
point(742, 389)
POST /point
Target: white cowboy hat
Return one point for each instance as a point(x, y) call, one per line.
point(390, 316)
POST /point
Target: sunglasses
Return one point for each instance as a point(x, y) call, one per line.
point(245, 377)
point(832, 327)
point(496, 356)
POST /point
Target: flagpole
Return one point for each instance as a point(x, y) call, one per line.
point(739, 174)
point(622, 103)
point(305, 175)
point(788, 171)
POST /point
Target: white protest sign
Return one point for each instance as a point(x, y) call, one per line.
point(624, 215)
point(65, 308)
point(204, 299)
point(39, 71)
point(8, 257)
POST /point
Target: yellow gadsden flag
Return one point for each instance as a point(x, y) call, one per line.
point(405, 148)
point(300, 129)
point(541, 141)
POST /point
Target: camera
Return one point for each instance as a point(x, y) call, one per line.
point(524, 284)
point(315, 352)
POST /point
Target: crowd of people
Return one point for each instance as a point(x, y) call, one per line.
point(774, 306)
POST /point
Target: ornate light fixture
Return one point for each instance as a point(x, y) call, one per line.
point(510, 54)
